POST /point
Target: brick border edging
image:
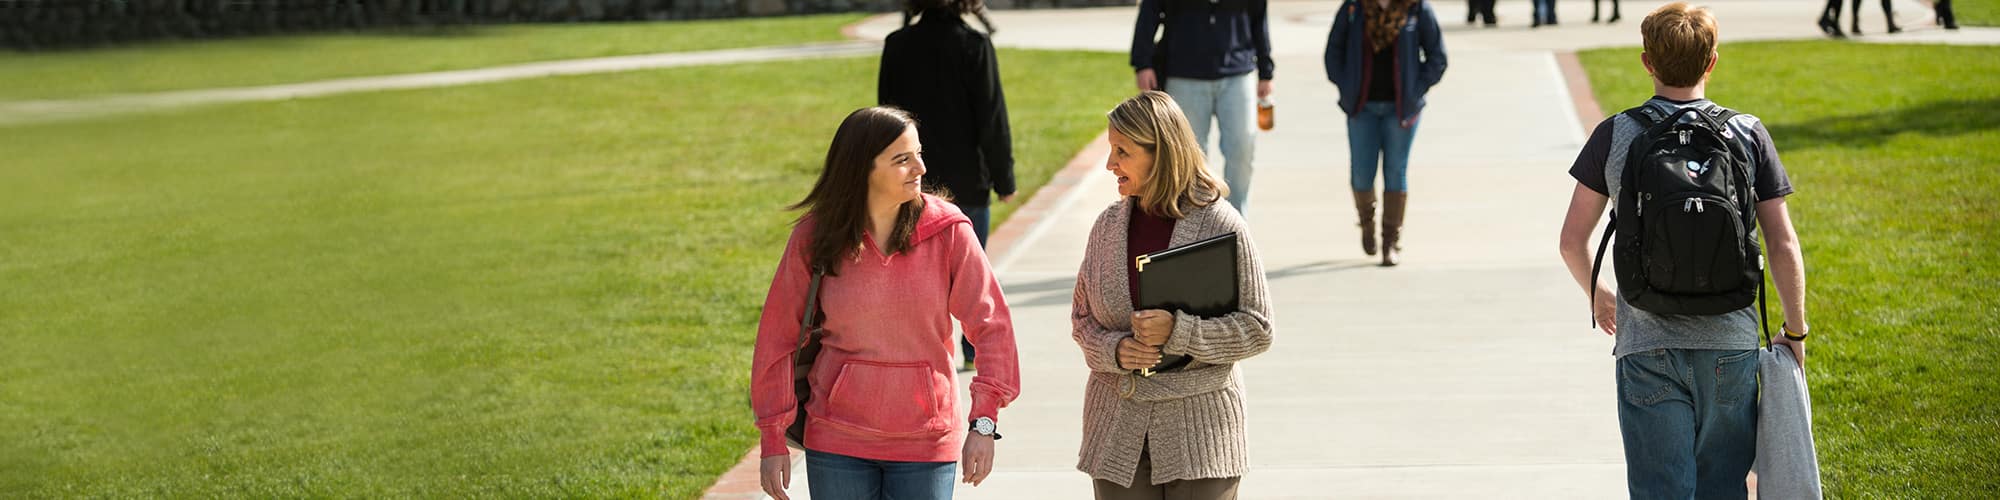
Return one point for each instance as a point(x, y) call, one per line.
point(1580, 94)
point(742, 483)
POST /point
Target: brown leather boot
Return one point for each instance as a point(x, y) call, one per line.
point(1364, 205)
point(1392, 226)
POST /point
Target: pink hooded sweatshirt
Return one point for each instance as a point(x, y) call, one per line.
point(884, 387)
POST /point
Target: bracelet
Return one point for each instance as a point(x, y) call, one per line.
point(1787, 330)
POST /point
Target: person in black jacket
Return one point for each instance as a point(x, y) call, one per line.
point(1483, 9)
point(1829, 18)
point(946, 74)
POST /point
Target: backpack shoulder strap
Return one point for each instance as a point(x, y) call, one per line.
point(1721, 117)
point(1721, 114)
point(1647, 116)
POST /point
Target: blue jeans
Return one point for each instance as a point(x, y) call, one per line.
point(1231, 102)
point(981, 217)
point(1689, 418)
point(1375, 133)
point(1545, 11)
point(832, 476)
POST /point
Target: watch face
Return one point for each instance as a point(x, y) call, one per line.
point(983, 426)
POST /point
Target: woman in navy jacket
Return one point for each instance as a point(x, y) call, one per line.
point(1384, 55)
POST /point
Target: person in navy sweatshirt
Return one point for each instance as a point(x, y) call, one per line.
point(1215, 60)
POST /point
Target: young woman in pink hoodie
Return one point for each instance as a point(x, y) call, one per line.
point(899, 265)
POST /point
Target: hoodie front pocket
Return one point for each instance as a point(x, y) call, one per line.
point(887, 399)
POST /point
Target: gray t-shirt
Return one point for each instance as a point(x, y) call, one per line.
point(1603, 157)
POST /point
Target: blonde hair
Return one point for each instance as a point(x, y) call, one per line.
point(1680, 42)
point(1180, 179)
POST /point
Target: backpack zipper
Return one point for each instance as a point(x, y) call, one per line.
point(1693, 205)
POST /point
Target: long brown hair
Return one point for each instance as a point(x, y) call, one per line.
point(838, 203)
point(1180, 179)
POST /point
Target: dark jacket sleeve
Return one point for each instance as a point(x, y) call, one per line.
point(1260, 34)
point(883, 82)
point(989, 111)
point(1143, 32)
point(1336, 44)
point(1431, 41)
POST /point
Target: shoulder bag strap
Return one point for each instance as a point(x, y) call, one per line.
point(811, 312)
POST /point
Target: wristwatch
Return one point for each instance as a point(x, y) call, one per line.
point(1787, 328)
point(984, 426)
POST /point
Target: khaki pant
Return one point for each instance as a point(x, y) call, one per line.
point(1186, 489)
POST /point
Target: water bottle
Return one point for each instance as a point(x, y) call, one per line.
point(1264, 111)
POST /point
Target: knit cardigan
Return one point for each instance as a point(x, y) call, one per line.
point(1193, 418)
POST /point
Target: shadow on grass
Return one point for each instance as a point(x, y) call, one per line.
point(1938, 119)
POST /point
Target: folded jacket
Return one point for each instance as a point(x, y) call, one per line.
point(1787, 467)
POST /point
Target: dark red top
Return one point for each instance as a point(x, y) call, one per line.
point(1144, 233)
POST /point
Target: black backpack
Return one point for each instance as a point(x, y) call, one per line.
point(1685, 217)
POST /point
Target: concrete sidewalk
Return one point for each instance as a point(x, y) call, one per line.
point(1470, 370)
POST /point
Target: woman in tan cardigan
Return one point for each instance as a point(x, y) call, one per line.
point(1178, 433)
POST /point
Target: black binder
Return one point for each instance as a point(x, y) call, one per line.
point(1197, 278)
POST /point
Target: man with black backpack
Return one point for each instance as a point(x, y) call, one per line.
point(1693, 184)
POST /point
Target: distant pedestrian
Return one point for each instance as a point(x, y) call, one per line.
point(1476, 10)
point(1594, 4)
point(1888, 16)
point(1215, 59)
point(1944, 17)
point(947, 74)
point(1545, 13)
point(1383, 56)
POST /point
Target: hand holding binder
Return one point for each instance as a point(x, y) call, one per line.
point(1152, 326)
point(1197, 278)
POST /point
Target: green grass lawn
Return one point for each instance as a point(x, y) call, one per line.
point(1898, 208)
point(1977, 12)
point(545, 287)
point(163, 66)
